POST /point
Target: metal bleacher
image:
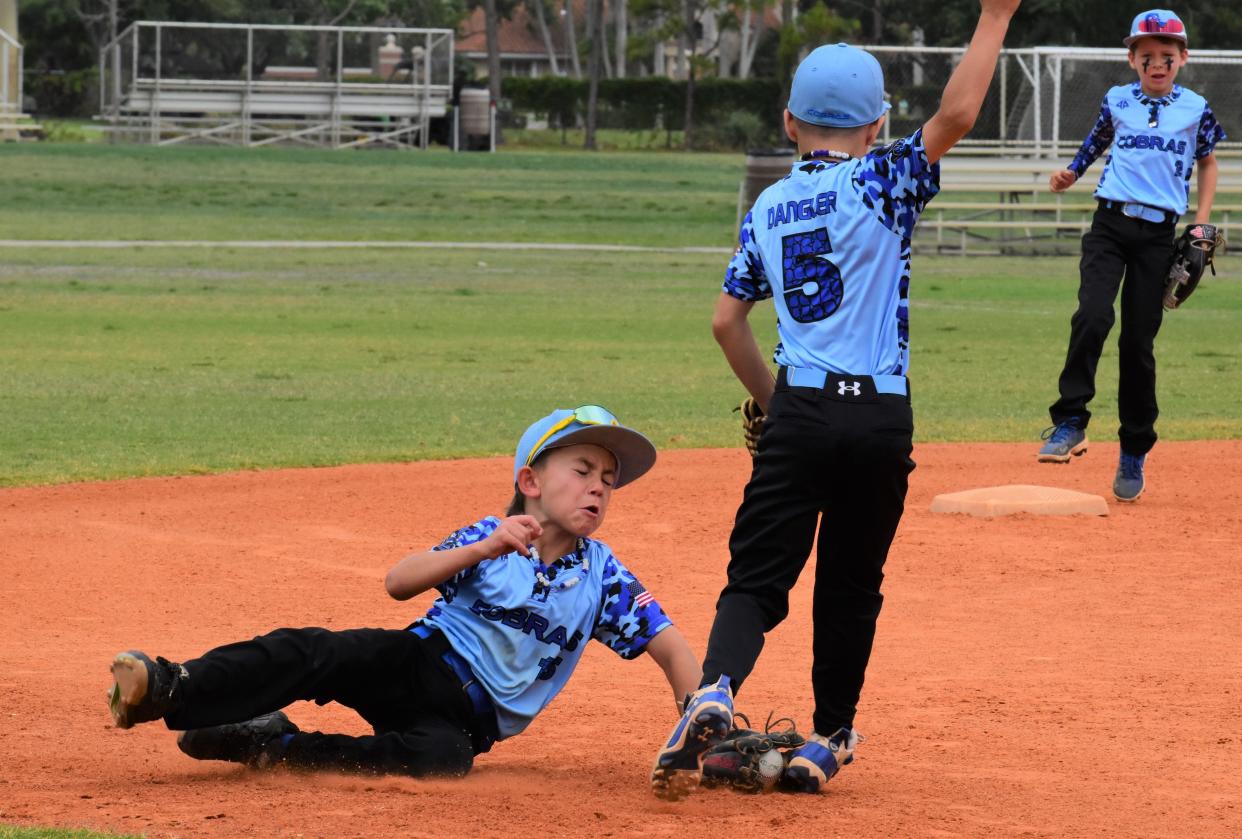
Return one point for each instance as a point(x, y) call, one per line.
point(1003, 205)
point(256, 84)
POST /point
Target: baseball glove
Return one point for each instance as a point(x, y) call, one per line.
point(1192, 255)
point(752, 423)
point(749, 760)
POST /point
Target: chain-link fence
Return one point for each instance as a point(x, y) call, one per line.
point(1043, 100)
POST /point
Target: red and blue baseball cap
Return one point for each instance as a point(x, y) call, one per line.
point(838, 86)
point(1160, 22)
point(592, 424)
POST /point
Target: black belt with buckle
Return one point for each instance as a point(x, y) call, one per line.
point(484, 711)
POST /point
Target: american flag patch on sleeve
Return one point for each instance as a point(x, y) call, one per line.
point(642, 597)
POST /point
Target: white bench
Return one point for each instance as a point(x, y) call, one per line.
point(320, 101)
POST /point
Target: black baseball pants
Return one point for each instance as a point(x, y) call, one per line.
point(842, 463)
point(1141, 252)
point(422, 719)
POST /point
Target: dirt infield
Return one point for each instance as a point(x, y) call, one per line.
point(1032, 676)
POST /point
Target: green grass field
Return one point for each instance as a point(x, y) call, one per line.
point(134, 192)
point(13, 832)
point(159, 361)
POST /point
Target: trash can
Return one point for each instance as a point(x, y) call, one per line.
point(474, 121)
point(764, 167)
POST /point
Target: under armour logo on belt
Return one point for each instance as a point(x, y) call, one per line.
point(843, 386)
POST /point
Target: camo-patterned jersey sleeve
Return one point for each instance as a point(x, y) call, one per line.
point(467, 535)
point(745, 278)
point(1097, 141)
point(897, 181)
point(1210, 133)
point(629, 615)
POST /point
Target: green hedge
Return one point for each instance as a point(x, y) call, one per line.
point(727, 111)
point(64, 94)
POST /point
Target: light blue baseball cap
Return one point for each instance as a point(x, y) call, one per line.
point(1160, 22)
point(592, 424)
point(838, 86)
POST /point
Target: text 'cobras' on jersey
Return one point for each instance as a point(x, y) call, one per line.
point(1151, 141)
point(808, 208)
point(529, 623)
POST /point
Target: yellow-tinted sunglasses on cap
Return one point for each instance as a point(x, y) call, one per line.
point(585, 415)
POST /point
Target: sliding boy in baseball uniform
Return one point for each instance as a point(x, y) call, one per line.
point(495, 648)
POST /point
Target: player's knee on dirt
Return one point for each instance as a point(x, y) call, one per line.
point(445, 753)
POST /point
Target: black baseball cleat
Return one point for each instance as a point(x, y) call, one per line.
point(143, 690)
point(257, 743)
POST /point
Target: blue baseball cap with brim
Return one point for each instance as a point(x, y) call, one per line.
point(838, 86)
point(592, 424)
point(1156, 23)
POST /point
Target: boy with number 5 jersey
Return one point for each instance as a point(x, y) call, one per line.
point(519, 599)
point(830, 244)
point(1160, 133)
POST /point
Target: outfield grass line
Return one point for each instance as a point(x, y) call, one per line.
point(322, 244)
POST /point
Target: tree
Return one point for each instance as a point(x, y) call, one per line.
point(544, 35)
point(571, 37)
point(491, 19)
point(595, 19)
point(621, 11)
point(750, 27)
point(817, 25)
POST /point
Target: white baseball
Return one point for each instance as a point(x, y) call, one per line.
point(770, 767)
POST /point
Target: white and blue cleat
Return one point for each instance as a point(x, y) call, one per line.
point(678, 767)
point(814, 763)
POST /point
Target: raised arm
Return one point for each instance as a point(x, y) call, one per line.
point(963, 95)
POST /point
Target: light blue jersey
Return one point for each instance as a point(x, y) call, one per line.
point(830, 243)
point(523, 638)
point(1155, 143)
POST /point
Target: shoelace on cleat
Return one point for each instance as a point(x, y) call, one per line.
point(1058, 433)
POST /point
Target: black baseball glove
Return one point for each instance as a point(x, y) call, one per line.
point(752, 423)
point(749, 760)
point(1192, 255)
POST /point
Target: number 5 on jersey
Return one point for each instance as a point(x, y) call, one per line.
point(813, 284)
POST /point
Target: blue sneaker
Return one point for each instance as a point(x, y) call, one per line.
point(1065, 440)
point(1128, 484)
point(678, 767)
point(812, 765)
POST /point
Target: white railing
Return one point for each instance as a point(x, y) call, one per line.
point(10, 75)
point(255, 84)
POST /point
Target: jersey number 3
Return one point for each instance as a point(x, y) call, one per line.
point(813, 284)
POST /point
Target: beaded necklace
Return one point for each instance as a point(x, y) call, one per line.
point(820, 154)
point(543, 581)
